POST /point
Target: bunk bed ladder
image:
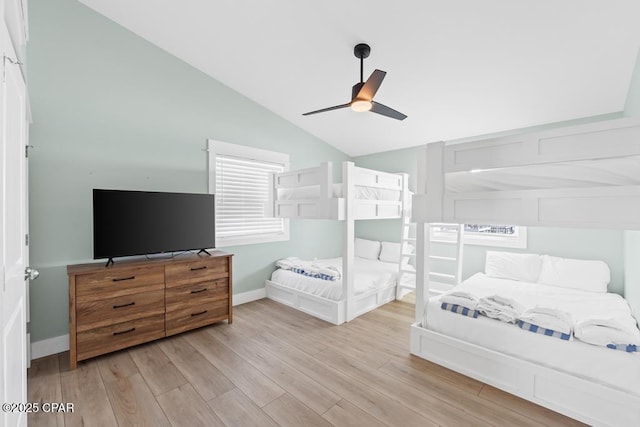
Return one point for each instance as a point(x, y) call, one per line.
point(407, 273)
point(445, 270)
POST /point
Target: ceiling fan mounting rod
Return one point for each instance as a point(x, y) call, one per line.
point(362, 51)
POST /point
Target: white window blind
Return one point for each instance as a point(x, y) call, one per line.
point(241, 179)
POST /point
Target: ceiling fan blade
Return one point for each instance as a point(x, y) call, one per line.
point(371, 85)
point(387, 111)
point(337, 107)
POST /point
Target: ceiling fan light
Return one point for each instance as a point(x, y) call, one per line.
point(361, 105)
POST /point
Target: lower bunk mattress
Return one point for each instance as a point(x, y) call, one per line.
point(369, 275)
point(613, 368)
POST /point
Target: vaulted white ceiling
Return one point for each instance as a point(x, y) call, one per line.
point(457, 68)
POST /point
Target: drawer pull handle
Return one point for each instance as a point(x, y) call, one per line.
point(198, 314)
point(204, 267)
point(124, 305)
point(124, 332)
point(124, 278)
point(198, 291)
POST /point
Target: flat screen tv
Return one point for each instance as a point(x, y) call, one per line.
point(127, 223)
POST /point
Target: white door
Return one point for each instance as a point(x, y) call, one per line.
point(13, 250)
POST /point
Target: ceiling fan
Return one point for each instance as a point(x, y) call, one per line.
point(363, 92)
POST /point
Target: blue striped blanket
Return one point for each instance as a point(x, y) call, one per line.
point(539, 330)
point(458, 309)
point(309, 268)
point(629, 348)
point(316, 275)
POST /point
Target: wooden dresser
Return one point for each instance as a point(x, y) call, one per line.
point(129, 303)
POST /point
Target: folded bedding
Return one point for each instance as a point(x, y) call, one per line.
point(460, 298)
point(309, 268)
point(460, 302)
point(544, 331)
point(458, 309)
point(602, 319)
point(549, 319)
point(618, 333)
point(500, 308)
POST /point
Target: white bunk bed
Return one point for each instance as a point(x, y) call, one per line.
point(311, 193)
point(585, 176)
point(364, 194)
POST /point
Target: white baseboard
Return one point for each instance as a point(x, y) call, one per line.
point(49, 346)
point(246, 297)
point(59, 344)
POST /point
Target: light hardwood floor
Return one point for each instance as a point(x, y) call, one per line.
point(277, 366)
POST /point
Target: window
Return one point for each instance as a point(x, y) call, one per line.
point(240, 177)
point(507, 236)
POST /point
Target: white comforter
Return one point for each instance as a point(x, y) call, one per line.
point(368, 275)
point(579, 304)
point(611, 367)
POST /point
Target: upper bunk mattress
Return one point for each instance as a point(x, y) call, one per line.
point(616, 369)
point(623, 171)
point(361, 192)
point(368, 275)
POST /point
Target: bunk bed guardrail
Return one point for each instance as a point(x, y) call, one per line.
point(586, 201)
point(310, 193)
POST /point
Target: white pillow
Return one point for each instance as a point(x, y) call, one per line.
point(591, 276)
point(514, 266)
point(390, 252)
point(368, 249)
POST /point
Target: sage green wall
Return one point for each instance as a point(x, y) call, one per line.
point(606, 245)
point(111, 110)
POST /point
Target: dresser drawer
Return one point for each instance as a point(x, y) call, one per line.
point(182, 297)
point(92, 314)
point(115, 281)
point(121, 335)
point(189, 272)
point(182, 320)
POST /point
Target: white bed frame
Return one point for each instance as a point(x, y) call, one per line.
point(326, 309)
point(593, 207)
point(347, 209)
point(578, 398)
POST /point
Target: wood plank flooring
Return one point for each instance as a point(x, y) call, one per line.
point(277, 366)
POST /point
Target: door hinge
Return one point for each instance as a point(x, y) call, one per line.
point(26, 150)
point(26, 239)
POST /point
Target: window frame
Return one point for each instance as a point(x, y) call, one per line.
point(517, 241)
point(215, 148)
